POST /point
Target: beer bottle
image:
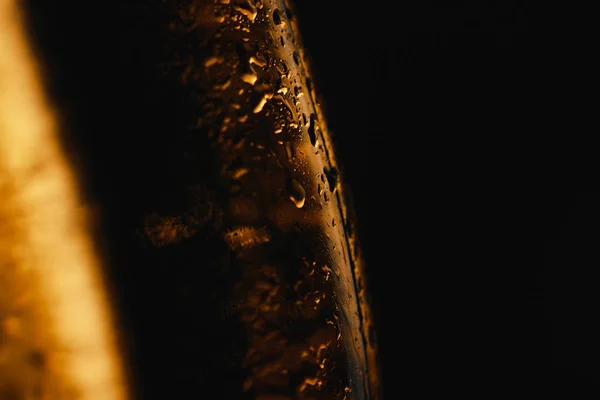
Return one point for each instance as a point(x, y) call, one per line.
point(224, 246)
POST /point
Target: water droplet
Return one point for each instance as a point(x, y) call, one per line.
point(222, 86)
point(290, 151)
point(246, 10)
point(238, 173)
point(284, 68)
point(332, 177)
point(212, 61)
point(312, 129)
point(246, 237)
point(262, 103)
point(327, 273)
point(249, 78)
point(297, 193)
point(308, 382)
point(276, 17)
point(257, 61)
point(309, 85)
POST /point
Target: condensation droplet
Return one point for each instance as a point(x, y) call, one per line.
point(326, 271)
point(248, 11)
point(309, 381)
point(258, 62)
point(332, 176)
point(312, 129)
point(276, 17)
point(213, 60)
point(297, 193)
point(222, 86)
point(246, 237)
point(249, 78)
point(262, 103)
point(238, 173)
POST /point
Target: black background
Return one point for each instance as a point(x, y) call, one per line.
point(481, 253)
point(481, 246)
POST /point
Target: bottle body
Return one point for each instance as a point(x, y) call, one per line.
point(239, 265)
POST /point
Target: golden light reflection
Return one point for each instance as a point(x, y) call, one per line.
point(56, 336)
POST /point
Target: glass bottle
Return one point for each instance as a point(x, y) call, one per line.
point(232, 261)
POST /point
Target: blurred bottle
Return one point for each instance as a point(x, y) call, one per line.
point(230, 248)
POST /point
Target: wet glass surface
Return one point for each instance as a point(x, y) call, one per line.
point(222, 216)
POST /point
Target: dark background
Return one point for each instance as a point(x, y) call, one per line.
point(481, 252)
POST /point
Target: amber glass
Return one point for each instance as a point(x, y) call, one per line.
point(225, 244)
